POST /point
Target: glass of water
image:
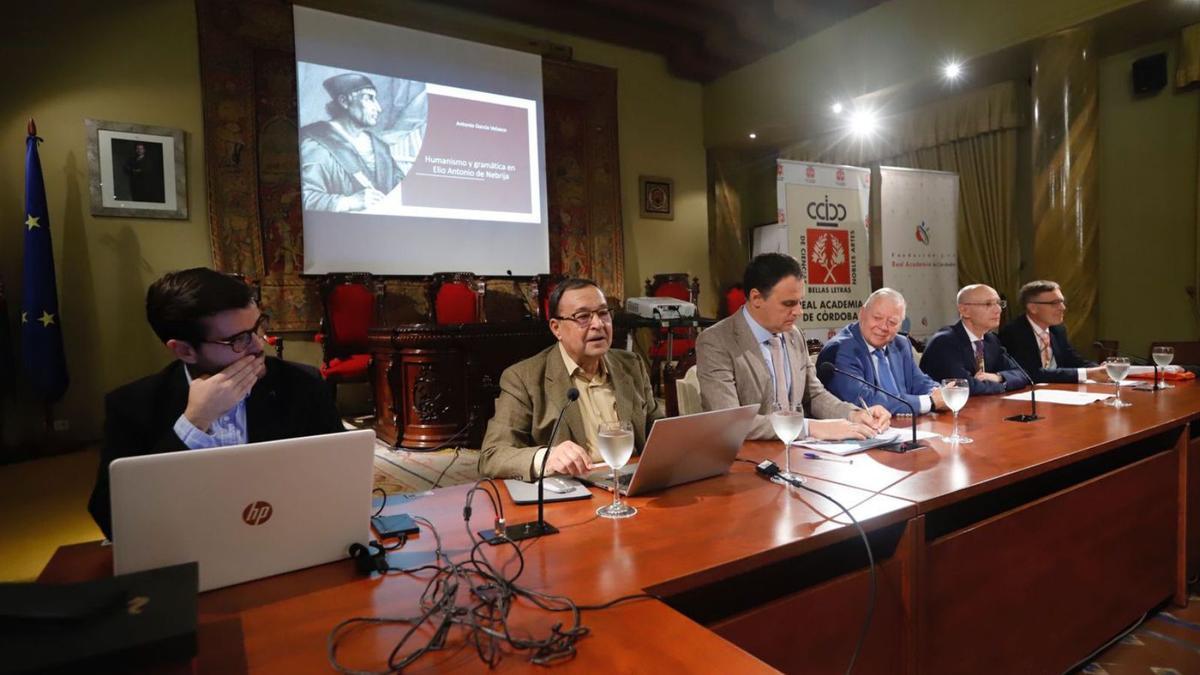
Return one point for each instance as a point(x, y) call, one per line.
point(1117, 368)
point(1163, 356)
point(787, 419)
point(955, 392)
point(616, 447)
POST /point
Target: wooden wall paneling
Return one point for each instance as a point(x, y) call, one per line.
point(1190, 506)
point(1032, 589)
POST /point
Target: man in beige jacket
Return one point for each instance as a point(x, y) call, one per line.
point(757, 355)
point(613, 386)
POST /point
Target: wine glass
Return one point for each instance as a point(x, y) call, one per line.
point(1163, 355)
point(955, 392)
point(615, 441)
point(1117, 368)
point(787, 419)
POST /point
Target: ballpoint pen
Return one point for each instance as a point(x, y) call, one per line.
point(813, 455)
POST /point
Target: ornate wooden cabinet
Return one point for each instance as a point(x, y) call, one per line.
point(436, 386)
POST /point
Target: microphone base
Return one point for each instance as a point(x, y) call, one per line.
point(1024, 418)
point(906, 446)
point(518, 532)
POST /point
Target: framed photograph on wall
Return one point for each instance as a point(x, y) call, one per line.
point(136, 171)
point(658, 197)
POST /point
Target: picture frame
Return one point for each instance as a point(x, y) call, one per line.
point(136, 170)
point(657, 196)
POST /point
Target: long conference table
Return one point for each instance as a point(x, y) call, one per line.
point(1021, 552)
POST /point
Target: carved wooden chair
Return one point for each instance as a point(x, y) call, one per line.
point(680, 286)
point(352, 302)
point(456, 297)
point(543, 286)
point(731, 300)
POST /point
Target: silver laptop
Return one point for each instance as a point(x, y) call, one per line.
point(245, 511)
point(683, 449)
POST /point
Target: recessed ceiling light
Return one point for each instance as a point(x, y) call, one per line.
point(836, 108)
point(864, 123)
point(952, 70)
point(753, 135)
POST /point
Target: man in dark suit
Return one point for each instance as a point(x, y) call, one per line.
point(1038, 340)
point(221, 389)
point(968, 349)
point(874, 350)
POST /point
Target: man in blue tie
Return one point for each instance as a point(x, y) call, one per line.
point(874, 350)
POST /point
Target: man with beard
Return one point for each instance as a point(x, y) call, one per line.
point(343, 166)
point(221, 390)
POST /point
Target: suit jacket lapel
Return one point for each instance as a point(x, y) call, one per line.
point(264, 418)
point(746, 344)
point(558, 381)
point(968, 349)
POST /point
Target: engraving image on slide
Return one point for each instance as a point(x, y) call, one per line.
point(359, 136)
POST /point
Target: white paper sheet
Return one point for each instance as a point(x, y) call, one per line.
point(1060, 396)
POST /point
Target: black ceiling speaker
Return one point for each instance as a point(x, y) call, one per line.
point(1150, 74)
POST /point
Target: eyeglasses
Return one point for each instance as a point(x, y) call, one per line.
point(240, 342)
point(990, 303)
point(1056, 303)
point(584, 317)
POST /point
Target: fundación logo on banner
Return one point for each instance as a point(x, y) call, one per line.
point(923, 233)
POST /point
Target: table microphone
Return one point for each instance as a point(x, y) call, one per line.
point(826, 371)
point(539, 527)
point(1100, 345)
point(1032, 416)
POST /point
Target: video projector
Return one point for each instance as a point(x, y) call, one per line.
point(660, 308)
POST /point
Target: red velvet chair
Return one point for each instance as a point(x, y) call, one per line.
point(456, 297)
point(732, 300)
point(352, 302)
point(543, 286)
point(681, 287)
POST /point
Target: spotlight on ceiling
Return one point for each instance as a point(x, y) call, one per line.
point(952, 70)
point(753, 135)
point(864, 123)
point(836, 108)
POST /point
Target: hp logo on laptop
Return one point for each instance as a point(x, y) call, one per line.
point(257, 513)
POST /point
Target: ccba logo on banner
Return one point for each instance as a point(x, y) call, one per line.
point(826, 213)
point(823, 210)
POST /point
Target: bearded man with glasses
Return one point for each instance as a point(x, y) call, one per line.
point(613, 385)
point(1038, 340)
point(969, 349)
point(221, 389)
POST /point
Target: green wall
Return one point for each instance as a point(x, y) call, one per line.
point(1147, 206)
point(120, 61)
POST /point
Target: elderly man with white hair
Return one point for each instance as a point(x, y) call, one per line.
point(873, 349)
point(969, 350)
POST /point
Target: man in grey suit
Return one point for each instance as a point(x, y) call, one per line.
point(757, 355)
point(613, 386)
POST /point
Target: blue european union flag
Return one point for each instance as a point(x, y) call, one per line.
point(41, 324)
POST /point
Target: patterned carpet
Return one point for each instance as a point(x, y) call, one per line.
point(403, 471)
point(1167, 643)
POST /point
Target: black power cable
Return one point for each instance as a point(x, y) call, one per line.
point(771, 470)
point(483, 613)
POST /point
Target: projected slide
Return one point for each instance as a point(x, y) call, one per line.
point(419, 153)
point(375, 144)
